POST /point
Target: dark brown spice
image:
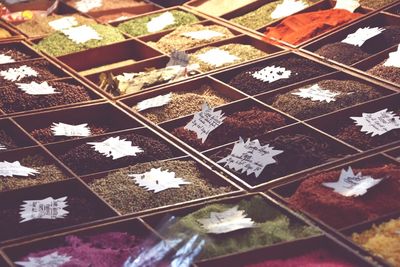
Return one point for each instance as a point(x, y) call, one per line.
point(14, 53)
point(7, 141)
point(341, 52)
point(385, 72)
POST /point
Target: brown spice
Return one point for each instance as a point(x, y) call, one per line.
point(111, 4)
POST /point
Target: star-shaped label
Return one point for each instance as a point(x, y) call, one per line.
point(116, 148)
point(63, 129)
point(394, 59)
point(287, 8)
point(154, 102)
point(51, 260)
point(271, 74)
point(63, 23)
point(6, 59)
point(87, 5)
point(82, 34)
point(17, 74)
point(378, 123)
point(15, 168)
point(34, 88)
point(48, 208)
point(160, 22)
point(316, 93)
point(349, 5)
point(359, 37)
point(217, 57)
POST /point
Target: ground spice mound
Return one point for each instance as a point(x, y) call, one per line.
point(241, 51)
point(13, 99)
point(375, 4)
point(382, 241)
point(14, 53)
point(184, 103)
point(304, 26)
point(58, 44)
point(7, 141)
point(123, 194)
point(350, 93)
point(138, 26)
point(4, 33)
point(385, 72)
point(84, 159)
point(248, 123)
point(339, 211)
point(176, 40)
point(272, 227)
point(341, 52)
point(301, 69)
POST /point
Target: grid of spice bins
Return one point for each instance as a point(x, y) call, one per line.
point(28, 127)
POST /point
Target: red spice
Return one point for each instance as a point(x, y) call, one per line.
point(339, 211)
point(301, 27)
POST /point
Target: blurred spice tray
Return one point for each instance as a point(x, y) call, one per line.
point(15, 51)
point(100, 118)
point(394, 153)
point(82, 206)
point(332, 48)
point(168, 3)
point(394, 9)
point(3, 261)
point(12, 137)
point(8, 33)
point(353, 127)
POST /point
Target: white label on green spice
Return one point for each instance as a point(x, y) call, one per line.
point(63, 129)
point(48, 209)
point(378, 123)
point(2, 147)
point(217, 57)
point(63, 23)
point(51, 260)
point(6, 59)
point(287, 8)
point(394, 59)
point(271, 74)
point(202, 35)
point(17, 74)
point(15, 168)
point(316, 93)
point(87, 5)
point(34, 88)
point(349, 5)
point(81, 34)
point(227, 221)
point(161, 22)
point(205, 121)
point(359, 37)
point(352, 185)
point(250, 157)
point(154, 102)
point(157, 180)
point(116, 148)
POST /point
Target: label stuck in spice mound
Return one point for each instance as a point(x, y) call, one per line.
point(389, 69)
point(10, 54)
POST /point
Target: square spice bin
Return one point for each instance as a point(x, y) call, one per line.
point(358, 132)
point(12, 137)
point(83, 159)
point(331, 48)
point(243, 118)
point(128, 196)
point(348, 90)
point(330, 209)
point(299, 68)
point(15, 51)
point(186, 98)
point(100, 118)
point(107, 244)
point(295, 150)
point(274, 225)
point(83, 206)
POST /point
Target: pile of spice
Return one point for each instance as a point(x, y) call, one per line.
point(13, 54)
point(375, 4)
point(210, 57)
point(6, 142)
point(84, 159)
point(248, 123)
point(342, 94)
point(395, 10)
point(58, 44)
point(271, 227)
point(256, 80)
point(220, 7)
point(301, 27)
point(48, 173)
point(115, 17)
point(382, 241)
point(14, 99)
point(300, 152)
point(340, 211)
point(140, 26)
point(184, 103)
point(104, 5)
point(126, 196)
point(189, 36)
point(387, 72)
point(4, 33)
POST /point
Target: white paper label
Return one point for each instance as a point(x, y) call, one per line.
point(87, 5)
point(63, 129)
point(202, 35)
point(15, 168)
point(34, 88)
point(51, 260)
point(6, 59)
point(217, 57)
point(287, 8)
point(81, 34)
point(2, 147)
point(227, 221)
point(250, 157)
point(378, 123)
point(394, 59)
point(271, 74)
point(48, 208)
point(116, 148)
point(349, 5)
point(161, 22)
point(316, 93)
point(63, 23)
point(205, 121)
point(359, 37)
point(154, 102)
point(157, 180)
point(352, 185)
point(17, 74)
